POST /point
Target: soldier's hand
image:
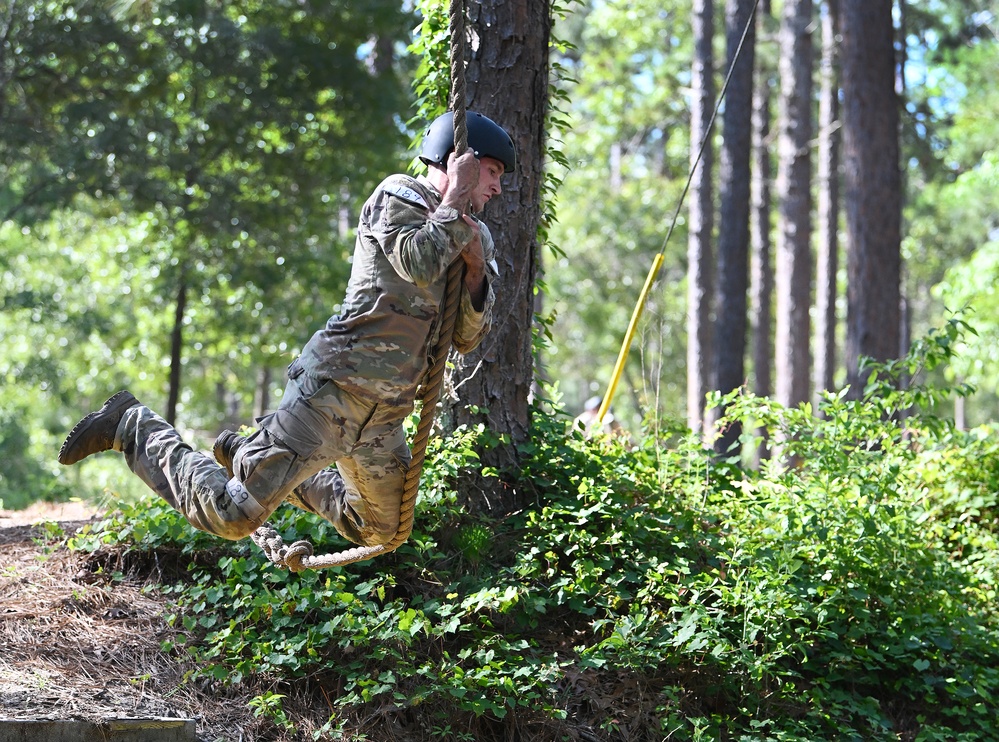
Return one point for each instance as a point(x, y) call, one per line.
point(472, 253)
point(462, 178)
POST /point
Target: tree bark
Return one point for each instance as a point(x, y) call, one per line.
point(262, 393)
point(507, 80)
point(794, 228)
point(872, 185)
point(176, 348)
point(733, 236)
point(700, 216)
point(827, 205)
point(761, 278)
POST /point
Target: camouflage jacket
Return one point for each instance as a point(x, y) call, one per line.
point(379, 345)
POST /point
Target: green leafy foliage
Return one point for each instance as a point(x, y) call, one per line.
point(646, 592)
point(952, 172)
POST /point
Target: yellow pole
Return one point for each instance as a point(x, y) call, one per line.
point(622, 356)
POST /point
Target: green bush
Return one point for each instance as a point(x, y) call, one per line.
point(23, 478)
point(845, 590)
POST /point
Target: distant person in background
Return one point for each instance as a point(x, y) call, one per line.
point(587, 420)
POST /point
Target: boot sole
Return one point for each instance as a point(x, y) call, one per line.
point(116, 403)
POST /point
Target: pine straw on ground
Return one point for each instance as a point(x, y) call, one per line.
point(72, 647)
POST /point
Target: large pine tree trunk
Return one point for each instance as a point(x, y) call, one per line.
point(733, 224)
point(827, 205)
point(794, 229)
point(507, 80)
point(872, 185)
point(700, 216)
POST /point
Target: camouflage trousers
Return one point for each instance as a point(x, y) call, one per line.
point(287, 458)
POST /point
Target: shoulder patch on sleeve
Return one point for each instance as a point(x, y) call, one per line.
point(403, 191)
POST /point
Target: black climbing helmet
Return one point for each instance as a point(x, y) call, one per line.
point(485, 138)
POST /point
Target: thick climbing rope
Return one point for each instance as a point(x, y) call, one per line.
point(299, 555)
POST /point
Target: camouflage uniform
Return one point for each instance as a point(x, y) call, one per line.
point(348, 393)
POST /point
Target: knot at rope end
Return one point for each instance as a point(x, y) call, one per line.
point(271, 543)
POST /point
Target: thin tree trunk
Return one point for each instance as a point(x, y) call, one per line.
point(700, 216)
point(262, 396)
point(615, 168)
point(733, 236)
point(794, 257)
point(176, 348)
point(905, 313)
point(761, 279)
point(7, 66)
point(827, 206)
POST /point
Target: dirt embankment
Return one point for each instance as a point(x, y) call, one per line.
point(75, 645)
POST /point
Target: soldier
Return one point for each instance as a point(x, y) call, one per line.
point(587, 420)
point(356, 379)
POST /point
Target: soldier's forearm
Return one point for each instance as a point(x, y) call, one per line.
point(475, 284)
